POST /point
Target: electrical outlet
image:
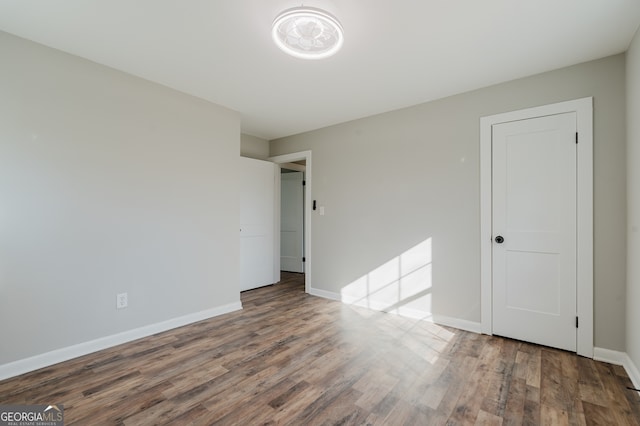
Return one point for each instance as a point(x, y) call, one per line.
point(122, 300)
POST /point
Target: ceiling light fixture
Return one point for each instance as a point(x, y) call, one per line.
point(307, 32)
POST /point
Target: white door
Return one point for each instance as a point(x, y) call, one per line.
point(534, 230)
point(257, 214)
point(292, 222)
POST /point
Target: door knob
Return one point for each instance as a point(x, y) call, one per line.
point(499, 239)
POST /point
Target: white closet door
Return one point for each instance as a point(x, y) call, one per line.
point(534, 230)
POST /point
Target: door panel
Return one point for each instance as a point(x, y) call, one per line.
point(257, 223)
point(534, 210)
point(532, 279)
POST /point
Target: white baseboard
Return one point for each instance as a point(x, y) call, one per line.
point(474, 327)
point(325, 294)
point(619, 358)
point(466, 325)
point(36, 362)
point(607, 355)
point(632, 371)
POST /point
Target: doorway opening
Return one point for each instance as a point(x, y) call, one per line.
point(292, 185)
point(300, 161)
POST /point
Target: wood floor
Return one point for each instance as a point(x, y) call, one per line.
point(294, 359)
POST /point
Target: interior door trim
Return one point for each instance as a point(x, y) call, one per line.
point(584, 289)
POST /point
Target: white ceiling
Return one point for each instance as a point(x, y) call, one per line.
point(397, 53)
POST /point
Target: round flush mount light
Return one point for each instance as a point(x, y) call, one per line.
point(307, 32)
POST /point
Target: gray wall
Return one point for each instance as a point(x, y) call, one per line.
point(108, 184)
point(633, 170)
point(394, 180)
point(254, 147)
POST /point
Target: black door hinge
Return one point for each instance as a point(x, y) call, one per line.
point(576, 322)
point(304, 182)
point(576, 137)
point(304, 259)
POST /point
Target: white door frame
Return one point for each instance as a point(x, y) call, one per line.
point(282, 160)
point(584, 298)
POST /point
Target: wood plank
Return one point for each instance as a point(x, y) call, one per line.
point(374, 386)
point(597, 414)
point(531, 406)
point(515, 405)
point(488, 419)
point(553, 416)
